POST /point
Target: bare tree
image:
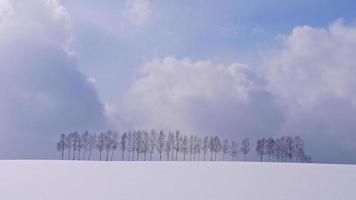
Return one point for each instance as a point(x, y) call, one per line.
point(211, 147)
point(169, 144)
point(177, 144)
point(100, 145)
point(130, 146)
point(152, 142)
point(92, 144)
point(114, 144)
point(85, 142)
point(270, 147)
point(145, 145)
point(261, 148)
point(123, 144)
point(191, 146)
point(225, 148)
point(218, 145)
point(245, 147)
point(138, 143)
point(205, 146)
point(76, 142)
point(61, 145)
point(234, 150)
point(69, 143)
point(197, 147)
point(184, 148)
point(160, 143)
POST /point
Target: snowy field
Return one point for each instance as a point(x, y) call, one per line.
point(66, 180)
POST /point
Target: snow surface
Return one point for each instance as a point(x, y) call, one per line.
point(78, 180)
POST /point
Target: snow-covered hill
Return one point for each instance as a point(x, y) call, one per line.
point(71, 180)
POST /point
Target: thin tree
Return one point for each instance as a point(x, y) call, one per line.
point(114, 144)
point(225, 148)
point(234, 150)
point(160, 143)
point(61, 145)
point(261, 148)
point(205, 146)
point(123, 145)
point(85, 142)
point(92, 144)
point(178, 141)
point(152, 142)
point(245, 147)
point(101, 144)
point(184, 146)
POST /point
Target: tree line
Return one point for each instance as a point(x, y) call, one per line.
point(159, 145)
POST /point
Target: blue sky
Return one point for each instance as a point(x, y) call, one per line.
point(223, 31)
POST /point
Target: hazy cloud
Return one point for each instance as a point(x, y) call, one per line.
point(199, 97)
point(137, 12)
point(42, 92)
point(314, 76)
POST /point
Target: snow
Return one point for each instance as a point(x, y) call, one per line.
point(76, 180)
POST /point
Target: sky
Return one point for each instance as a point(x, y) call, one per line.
point(233, 68)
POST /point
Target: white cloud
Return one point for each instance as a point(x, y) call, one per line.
point(314, 75)
point(42, 92)
point(137, 12)
point(198, 97)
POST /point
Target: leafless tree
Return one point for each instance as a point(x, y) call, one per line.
point(177, 143)
point(61, 145)
point(152, 142)
point(114, 144)
point(261, 148)
point(160, 143)
point(92, 144)
point(245, 147)
point(169, 145)
point(184, 148)
point(225, 148)
point(197, 147)
point(205, 146)
point(145, 144)
point(234, 150)
point(85, 142)
point(123, 144)
point(101, 144)
point(69, 144)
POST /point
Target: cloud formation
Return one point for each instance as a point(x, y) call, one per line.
point(137, 12)
point(42, 92)
point(199, 97)
point(307, 88)
point(314, 76)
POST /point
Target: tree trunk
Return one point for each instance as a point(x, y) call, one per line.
point(89, 156)
point(112, 154)
point(177, 153)
point(107, 155)
point(84, 154)
point(79, 154)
